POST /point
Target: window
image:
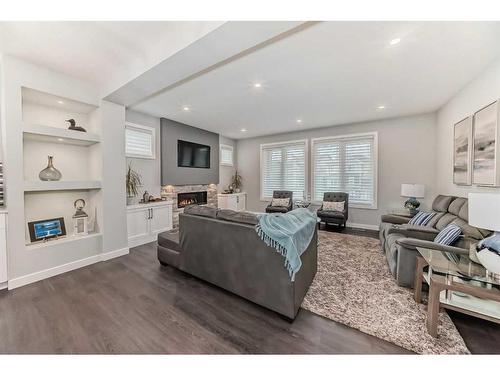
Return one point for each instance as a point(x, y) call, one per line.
point(226, 155)
point(139, 141)
point(283, 167)
point(348, 164)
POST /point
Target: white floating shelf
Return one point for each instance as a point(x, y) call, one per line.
point(60, 185)
point(44, 133)
point(62, 240)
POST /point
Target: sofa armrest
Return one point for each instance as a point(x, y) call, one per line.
point(415, 231)
point(394, 219)
point(415, 242)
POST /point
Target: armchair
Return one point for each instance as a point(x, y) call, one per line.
point(281, 194)
point(334, 217)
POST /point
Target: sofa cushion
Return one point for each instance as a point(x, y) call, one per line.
point(432, 223)
point(468, 230)
point(456, 205)
point(238, 217)
point(464, 212)
point(443, 222)
point(201, 211)
point(441, 203)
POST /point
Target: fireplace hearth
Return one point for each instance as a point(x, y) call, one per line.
point(196, 197)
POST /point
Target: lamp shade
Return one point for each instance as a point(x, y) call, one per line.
point(413, 190)
point(484, 211)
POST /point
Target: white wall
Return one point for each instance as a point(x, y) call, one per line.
point(483, 90)
point(406, 154)
point(226, 172)
point(149, 169)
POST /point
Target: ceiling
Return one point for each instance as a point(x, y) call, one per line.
point(332, 73)
point(108, 54)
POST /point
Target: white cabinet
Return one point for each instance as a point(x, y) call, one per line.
point(3, 249)
point(145, 221)
point(236, 201)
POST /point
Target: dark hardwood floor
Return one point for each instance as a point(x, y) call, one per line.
point(133, 305)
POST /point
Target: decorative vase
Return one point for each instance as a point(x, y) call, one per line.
point(237, 190)
point(50, 173)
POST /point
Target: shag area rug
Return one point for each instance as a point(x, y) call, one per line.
point(354, 286)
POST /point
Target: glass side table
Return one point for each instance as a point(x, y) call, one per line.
point(459, 285)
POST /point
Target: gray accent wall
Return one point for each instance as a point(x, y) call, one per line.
point(172, 131)
point(406, 154)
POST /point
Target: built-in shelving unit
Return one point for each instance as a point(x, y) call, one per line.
point(62, 240)
point(44, 133)
point(32, 186)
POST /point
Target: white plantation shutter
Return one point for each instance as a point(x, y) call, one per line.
point(139, 141)
point(283, 167)
point(226, 155)
point(346, 164)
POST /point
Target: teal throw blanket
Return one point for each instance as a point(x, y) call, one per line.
point(290, 234)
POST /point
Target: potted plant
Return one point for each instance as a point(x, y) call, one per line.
point(236, 182)
point(133, 182)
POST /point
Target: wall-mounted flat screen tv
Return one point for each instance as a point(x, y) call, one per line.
point(192, 155)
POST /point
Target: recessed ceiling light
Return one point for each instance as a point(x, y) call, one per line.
point(60, 102)
point(257, 85)
point(60, 139)
point(395, 41)
point(243, 130)
point(185, 108)
point(381, 107)
point(299, 121)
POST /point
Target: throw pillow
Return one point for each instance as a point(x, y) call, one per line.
point(448, 235)
point(280, 202)
point(422, 218)
point(333, 206)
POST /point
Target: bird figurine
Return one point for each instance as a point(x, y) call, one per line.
point(72, 126)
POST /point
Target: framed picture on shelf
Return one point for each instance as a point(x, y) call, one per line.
point(462, 152)
point(44, 229)
point(485, 151)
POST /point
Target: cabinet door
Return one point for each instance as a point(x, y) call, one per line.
point(241, 203)
point(222, 202)
point(161, 219)
point(137, 225)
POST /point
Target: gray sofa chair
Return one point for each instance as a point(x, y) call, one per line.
point(281, 194)
point(400, 240)
point(222, 247)
point(334, 217)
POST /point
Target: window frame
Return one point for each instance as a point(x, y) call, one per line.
point(145, 129)
point(227, 147)
point(263, 146)
point(314, 141)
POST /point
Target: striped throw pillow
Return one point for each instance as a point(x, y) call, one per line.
point(448, 235)
point(422, 218)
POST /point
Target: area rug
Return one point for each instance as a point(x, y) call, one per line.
point(354, 286)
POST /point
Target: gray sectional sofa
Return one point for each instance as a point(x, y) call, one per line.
point(222, 247)
point(399, 239)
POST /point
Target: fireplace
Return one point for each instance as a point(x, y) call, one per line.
point(196, 197)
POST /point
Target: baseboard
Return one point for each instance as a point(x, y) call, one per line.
point(54, 271)
point(362, 226)
point(45, 274)
point(114, 254)
point(3, 285)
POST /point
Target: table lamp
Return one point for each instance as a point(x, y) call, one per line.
point(412, 192)
point(484, 213)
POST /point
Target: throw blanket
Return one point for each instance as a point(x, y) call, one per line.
point(289, 234)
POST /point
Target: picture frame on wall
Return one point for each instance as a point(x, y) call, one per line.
point(485, 151)
point(462, 152)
